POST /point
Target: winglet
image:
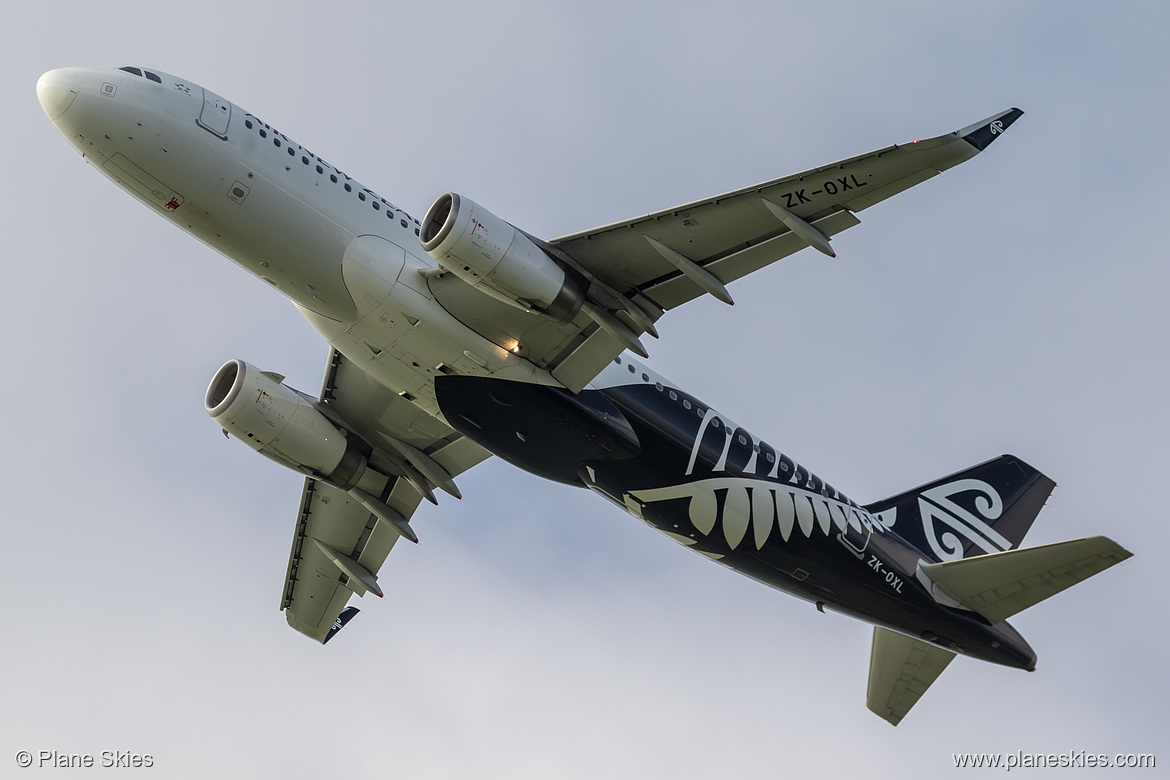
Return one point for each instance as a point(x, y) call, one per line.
point(981, 134)
point(345, 616)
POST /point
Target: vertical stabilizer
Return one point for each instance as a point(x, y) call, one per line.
point(985, 509)
point(900, 671)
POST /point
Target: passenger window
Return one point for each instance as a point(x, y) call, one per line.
point(320, 169)
point(276, 142)
point(617, 360)
point(248, 123)
point(631, 367)
point(292, 152)
point(263, 133)
point(333, 178)
point(348, 188)
point(361, 196)
point(673, 395)
point(645, 378)
point(304, 160)
point(402, 222)
point(686, 404)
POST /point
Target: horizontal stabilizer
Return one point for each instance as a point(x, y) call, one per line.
point(999, 585)
point(900, 670)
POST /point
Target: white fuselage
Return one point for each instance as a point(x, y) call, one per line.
point(349, 259)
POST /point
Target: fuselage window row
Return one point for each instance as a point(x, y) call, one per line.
point(391, 209)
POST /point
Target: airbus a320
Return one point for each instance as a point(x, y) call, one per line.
point(461, 336)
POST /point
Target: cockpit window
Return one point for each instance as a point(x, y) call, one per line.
point(138, 72)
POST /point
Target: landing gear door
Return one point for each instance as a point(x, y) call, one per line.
point(215, 115)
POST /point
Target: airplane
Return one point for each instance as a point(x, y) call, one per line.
point(461, 336)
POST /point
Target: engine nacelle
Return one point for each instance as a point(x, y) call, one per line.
point(487, 252)
point(277, 421)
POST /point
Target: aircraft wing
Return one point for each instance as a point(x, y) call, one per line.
point(339, 545)
point(734, 234)
point(657, 262)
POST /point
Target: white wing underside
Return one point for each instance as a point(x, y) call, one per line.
point(316, 589)
point(728, 237)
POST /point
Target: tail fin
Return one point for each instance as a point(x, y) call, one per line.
point(901, 668)
point(985, 509)
point(1000, 585)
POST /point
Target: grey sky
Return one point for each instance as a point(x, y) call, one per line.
point(1015, 304)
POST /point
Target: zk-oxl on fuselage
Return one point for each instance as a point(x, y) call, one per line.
point(352, 262)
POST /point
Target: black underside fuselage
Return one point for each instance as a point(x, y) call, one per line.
point(673, 462)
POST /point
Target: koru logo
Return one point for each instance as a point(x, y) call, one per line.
point(945, 520)
point(996, 127)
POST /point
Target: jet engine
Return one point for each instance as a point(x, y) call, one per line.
point(490, 254)
point(286, 426)
point(279, 422)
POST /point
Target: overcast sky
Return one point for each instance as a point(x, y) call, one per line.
point(1014, 304)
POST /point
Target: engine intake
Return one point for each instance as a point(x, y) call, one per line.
point(279, 422)
point(492, 255)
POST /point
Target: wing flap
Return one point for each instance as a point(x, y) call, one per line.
point(587, 360)
point(901, 668)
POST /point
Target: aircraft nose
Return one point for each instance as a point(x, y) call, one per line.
point(57, 89)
